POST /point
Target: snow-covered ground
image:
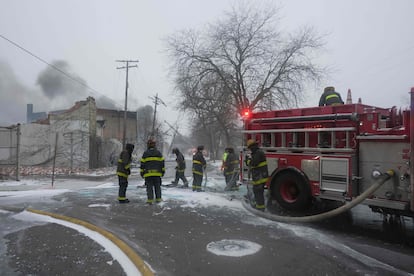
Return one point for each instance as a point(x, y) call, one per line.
point(35, 190)
point(29, 190)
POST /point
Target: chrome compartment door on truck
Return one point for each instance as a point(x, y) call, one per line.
point(334, 177)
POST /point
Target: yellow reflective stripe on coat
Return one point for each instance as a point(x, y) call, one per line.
point(122, 174)
point(127, 166)
point(259, 206)
point(261, 164)
point(152, 174)
point(197, 162)
point(152, 159)
point(260, 181)
point(197, 172)
point(331, 96)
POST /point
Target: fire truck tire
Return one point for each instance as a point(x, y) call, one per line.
point(291, 191)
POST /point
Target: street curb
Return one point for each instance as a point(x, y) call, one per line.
point(138, 262)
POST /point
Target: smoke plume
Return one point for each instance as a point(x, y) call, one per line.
point(56, 84)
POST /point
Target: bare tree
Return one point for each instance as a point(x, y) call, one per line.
point(211, 107)
point(253, 63)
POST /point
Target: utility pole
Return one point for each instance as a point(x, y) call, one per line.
point(175, 134)
point(157, 101)
point(127, 66)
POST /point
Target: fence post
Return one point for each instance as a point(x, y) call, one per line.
point(71, 152)
point(54, 159)
point(18, 133)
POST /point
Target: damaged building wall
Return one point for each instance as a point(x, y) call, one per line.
point(76, 139)
point(111, 125)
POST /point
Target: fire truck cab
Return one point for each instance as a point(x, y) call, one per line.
point(336, 153)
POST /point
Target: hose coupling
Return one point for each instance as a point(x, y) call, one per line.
point(390, 173)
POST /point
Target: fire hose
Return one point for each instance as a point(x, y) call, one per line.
point(383, 178)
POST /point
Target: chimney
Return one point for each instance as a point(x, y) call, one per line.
point(349, 97)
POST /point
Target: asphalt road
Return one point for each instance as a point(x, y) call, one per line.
point(173, 239)
point(170, 238)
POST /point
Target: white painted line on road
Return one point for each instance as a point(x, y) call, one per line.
point(118, 250)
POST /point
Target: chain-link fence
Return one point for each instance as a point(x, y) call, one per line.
point(9, 151)
point(35, 149)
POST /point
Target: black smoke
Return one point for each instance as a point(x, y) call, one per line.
point(59, 81)
point(106, 103)
point(15, 96)
point(55, 91)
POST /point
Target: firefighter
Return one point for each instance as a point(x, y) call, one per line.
point(258, 169)
point(123, 171)
point(152, 169)
point(330, 97)
point(180, 168)
point(230, 170)
point(223, 159)
point(199, 165)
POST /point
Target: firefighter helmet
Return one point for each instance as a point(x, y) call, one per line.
point(251, 142)
point(129, 147)
point(201, 147)
point(329, 89)
point(175, 150)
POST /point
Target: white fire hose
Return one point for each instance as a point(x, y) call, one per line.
point(325, 215)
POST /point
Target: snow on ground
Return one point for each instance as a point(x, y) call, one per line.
point(127, 265)
point(31, 190)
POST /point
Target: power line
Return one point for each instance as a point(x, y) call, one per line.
point(50, 65)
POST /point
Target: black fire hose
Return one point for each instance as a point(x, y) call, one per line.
point(325, 215)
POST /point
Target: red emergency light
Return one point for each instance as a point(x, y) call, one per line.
point(246, 113)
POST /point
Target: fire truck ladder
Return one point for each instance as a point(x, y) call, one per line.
point(295, 146)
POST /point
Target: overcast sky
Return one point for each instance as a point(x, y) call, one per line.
point(370, 46)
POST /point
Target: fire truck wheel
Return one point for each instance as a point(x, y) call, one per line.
point(291, 191)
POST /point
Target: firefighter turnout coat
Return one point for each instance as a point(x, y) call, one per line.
point(152, 163)
point(258, 166)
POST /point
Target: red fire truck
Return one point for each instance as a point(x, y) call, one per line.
point(335, 153)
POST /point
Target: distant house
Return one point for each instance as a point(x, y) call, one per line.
point(109, 122)
point(86, 135)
